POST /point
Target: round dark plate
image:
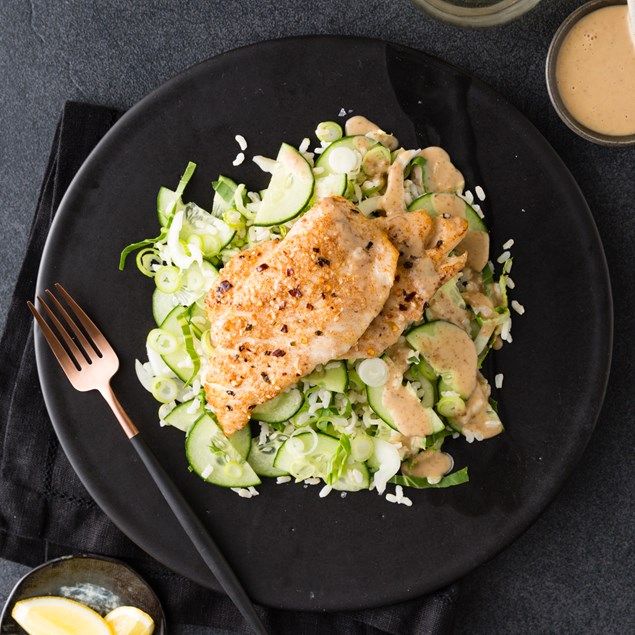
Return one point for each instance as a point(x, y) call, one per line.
point(291, 548)
point(101, 583)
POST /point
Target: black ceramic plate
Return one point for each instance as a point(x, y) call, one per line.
point(291, 548)
point(101, 583)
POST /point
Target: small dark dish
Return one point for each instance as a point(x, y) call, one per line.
point(113, 584)
point(552, 83)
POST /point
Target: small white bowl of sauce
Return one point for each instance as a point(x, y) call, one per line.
point(591, 73)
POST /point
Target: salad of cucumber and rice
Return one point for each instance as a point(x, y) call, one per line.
point(346, 426)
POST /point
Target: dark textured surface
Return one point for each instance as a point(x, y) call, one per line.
point(573, 570)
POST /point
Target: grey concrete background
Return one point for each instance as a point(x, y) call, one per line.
point(573, 570)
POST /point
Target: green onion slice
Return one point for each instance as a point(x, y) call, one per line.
point(168, 279)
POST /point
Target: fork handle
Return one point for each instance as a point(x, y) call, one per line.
point(199, 536)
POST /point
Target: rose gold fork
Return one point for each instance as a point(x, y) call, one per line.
point(91, 368)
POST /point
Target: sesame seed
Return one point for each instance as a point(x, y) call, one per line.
point(480, 193)
point(510, 283)
point(498, 380)
point(240, 157)
point(509, 244)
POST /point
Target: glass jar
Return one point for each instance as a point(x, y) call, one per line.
point(476, 13)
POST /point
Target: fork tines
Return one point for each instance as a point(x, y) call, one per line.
point(72, 354)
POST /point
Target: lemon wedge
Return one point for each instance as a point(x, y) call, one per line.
point(48, 615)
point(128, 620)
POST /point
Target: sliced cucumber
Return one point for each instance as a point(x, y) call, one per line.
point(198, 319)
point(213, 457)
point(162, 304)
point(183, 416)
point(179, 361)
point(334, 378)
point(354, 477)
point(335, 159)
point(330, 185)
point(241, 441)
point(375, 400)
point(449, 350)
point(375, 395)
point(166, 201)
point(280, 408)
point(289, 190)
point(262, 457)
point(305, 456)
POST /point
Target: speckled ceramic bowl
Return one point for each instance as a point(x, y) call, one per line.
point(552, 84)
point(101, 583)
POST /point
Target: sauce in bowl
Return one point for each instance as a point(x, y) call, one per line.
point(595, 72)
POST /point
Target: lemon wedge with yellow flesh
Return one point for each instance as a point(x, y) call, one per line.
point(128, 620)
point(48, 615)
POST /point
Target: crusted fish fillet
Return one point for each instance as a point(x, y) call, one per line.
point(281, 308)
point(423, 267)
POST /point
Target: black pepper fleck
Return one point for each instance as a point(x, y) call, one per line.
point(403, 307)
point(262, 267)
point(439, 243)
point(284, 328)
point(225, 285)
point(231, 393)
point(295, 292)
point(370, 244)
point(249, 327)
point(322, 262)
point(290, 271)
point(410, 297)
point(316, 250)
point(309, 306)
point(278, 353)
point(318, 333)
point(408, 264)
point(265, 378)
point(228, 407)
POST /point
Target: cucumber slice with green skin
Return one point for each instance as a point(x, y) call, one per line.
point(241, 441)
point(179, 360)
point(280, 408)
point(290, 188)
point(162, 305)
point(375, 396)
point(330, 185)
point(181, 418)
point(213, 457)
point(198, 320)
point(436, 203)
point(166, 200)
point(303, 458)
point(450, 351)
point(328, 160)
point(262, 457)
point(354, 477)
point(334, 378)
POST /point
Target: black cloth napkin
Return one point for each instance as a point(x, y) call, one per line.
point(45, 511)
